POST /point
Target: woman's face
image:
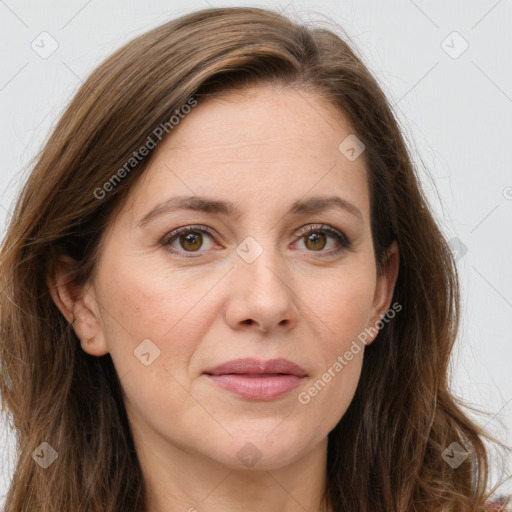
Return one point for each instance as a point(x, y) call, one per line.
point(245, 282)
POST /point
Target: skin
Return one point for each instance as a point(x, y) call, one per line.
point(263, 149)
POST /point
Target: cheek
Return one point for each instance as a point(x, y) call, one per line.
point(143, 314)
point(153, 327)
point(328, 395)
point(343, 306)
point(144, 302)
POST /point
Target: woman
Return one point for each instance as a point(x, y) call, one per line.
point(224, 289)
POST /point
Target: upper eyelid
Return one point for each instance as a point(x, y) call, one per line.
point(299, 232)
point(316, 226)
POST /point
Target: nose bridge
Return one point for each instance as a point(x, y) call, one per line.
point(265, 293)
point(261, 262)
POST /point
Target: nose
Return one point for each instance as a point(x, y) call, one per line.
point(262, 295)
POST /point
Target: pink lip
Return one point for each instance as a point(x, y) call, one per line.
point(257, 380)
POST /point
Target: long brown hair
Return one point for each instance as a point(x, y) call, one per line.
point(385, 454)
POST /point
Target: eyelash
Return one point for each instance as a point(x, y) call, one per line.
point(343, 241)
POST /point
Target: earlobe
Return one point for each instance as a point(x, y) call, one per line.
point(72, 302)
point(94, 346)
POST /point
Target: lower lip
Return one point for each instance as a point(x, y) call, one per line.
point(257, 388)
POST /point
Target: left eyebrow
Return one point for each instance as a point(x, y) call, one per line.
point(310, 205)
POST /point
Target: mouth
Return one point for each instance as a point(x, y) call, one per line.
point(257, 380)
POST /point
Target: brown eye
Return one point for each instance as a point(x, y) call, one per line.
point(191, 241)
point(318, 237)
point(315, 241)
point(188, 240)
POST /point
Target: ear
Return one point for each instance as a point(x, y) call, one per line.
point(384, 289)
point(78, 305)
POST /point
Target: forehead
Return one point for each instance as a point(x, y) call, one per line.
point(266, 145)
point(259, 118)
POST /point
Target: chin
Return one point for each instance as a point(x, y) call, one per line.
point(260, 449)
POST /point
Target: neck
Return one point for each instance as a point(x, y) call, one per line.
point(182, 481)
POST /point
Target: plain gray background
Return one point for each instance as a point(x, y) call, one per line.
point(454, 103)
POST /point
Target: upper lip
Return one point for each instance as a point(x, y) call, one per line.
point(251, 366)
